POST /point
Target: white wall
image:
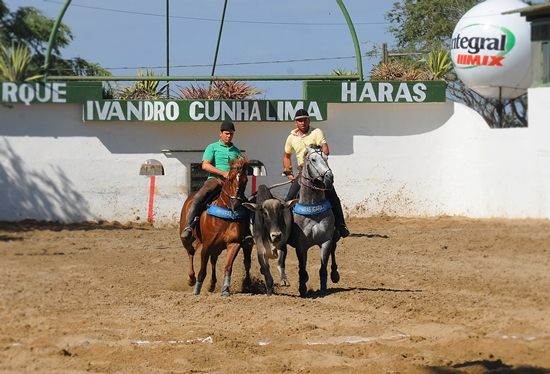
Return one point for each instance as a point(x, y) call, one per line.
point(393, 159)
point(436, 160)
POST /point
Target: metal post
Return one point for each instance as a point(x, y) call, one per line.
point(219, 38)
point(499, 107)
point(168, 46)
point(90, 78)
point(384, 53)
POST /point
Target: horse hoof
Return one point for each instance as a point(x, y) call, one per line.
point(191, 281)
point(212, 287)
point(269, 291)
point(335, 277)
point(226, 293)
point(284, 283)
point(197, 289)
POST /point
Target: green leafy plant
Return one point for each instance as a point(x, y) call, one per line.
point(15, 63)
point(108, 92)
point(342, 72)
point(150, 86)
point(219, 90)
point(397, 71)
point(439, 63)
point(142, 90)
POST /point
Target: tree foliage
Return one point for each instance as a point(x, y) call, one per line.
point(30, 26)
point(424, 25)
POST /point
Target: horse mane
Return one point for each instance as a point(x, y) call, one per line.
point(239, 163)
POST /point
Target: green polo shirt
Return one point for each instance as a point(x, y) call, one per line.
point(218, 154)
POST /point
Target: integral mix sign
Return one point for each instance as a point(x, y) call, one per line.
point(491, 49)
point(316, 97)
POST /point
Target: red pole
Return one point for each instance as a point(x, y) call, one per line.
point(253, 187)
point(151, 200)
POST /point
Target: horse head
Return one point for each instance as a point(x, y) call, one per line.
point(235, 184)
point(316, 168)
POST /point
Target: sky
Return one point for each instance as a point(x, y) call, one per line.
point(259, 37)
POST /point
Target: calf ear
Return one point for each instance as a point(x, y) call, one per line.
point(252, 206)
point(289, 204)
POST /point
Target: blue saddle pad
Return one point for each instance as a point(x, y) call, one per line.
point(307, 210)
point(218, 211)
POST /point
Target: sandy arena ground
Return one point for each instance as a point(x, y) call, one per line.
point(438, 295)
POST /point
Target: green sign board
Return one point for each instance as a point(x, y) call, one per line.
point(201, 110)
point(376, 92)
point(53, 92)
point(317, 94)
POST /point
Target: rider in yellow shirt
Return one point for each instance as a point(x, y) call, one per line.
point(303, 135)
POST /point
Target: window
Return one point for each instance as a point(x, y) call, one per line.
point(198, 176)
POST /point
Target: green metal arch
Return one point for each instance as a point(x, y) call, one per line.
point(340, 4)
point(52, 38)
point(353, 37)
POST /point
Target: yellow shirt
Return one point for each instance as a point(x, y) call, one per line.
point(295, 143)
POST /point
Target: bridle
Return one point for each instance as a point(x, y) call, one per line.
point(320, 175)
point(238, 174)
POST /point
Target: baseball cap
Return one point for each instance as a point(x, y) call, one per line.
point(227, 126)
point(301, 113)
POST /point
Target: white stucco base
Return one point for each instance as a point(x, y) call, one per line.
point(389, 159)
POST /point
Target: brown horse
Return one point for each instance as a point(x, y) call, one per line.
point(216, 234)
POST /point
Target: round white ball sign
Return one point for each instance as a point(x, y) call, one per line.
point(491, 52)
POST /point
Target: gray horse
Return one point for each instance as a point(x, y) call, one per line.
point(313, 218)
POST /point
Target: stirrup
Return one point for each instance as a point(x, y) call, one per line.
point(248, 240)
point(187, 233)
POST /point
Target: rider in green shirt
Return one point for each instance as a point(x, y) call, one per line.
point(215, 161)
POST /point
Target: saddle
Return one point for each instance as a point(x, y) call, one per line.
point(221, 212)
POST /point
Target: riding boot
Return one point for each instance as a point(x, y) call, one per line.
point(340, 222)
point(192, 218)
point(248, 239)
point(202, 197)
point(293, 190)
